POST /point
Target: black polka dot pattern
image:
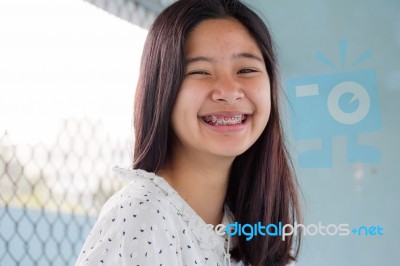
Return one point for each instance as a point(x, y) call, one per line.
point(148, 223)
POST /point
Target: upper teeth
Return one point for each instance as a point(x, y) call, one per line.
point(220, 120)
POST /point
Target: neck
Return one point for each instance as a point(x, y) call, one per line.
point(201, 180)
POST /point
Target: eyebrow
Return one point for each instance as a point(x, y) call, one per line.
point(247, 55)
point(199, 58)
point(234, 56)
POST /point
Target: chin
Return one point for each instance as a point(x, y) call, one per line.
point(229, 152)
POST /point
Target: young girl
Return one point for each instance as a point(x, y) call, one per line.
point(208, 150)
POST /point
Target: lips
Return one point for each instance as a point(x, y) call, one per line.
point(225, 120)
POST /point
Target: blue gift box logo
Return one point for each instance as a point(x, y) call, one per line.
point(330, 105)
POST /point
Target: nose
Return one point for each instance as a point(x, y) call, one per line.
point(227, 90)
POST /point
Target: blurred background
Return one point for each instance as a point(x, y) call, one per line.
point(68, 71)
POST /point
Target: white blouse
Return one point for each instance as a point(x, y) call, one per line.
point(149, 223)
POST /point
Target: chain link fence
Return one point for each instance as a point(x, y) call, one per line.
point(51, 193)
point(139, 12)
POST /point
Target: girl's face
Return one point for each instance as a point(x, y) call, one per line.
point(224, 102)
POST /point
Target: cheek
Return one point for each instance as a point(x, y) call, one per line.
point(186, 108)
point(189, 100)
point(262, 102)
point(262, 99)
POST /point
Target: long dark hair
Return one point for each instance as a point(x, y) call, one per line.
point(262, 186)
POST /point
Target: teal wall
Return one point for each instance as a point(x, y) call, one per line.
point(342, 58)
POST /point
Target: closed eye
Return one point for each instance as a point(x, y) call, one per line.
point(247, 70)
point(198, 72)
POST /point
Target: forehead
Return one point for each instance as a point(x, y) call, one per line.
point(220, 35)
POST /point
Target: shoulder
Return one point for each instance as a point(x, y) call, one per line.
point(135, 224)
point(140, 193)
point(141, 198)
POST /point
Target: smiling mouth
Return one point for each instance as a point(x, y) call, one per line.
point(220, 120)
